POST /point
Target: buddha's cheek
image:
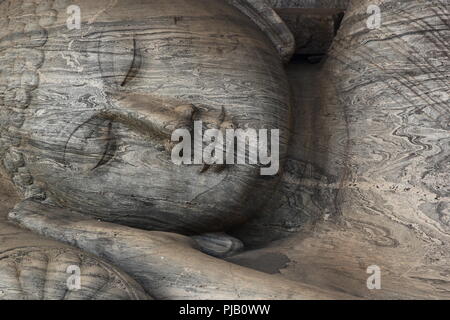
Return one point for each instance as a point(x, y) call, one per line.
point(140, 186)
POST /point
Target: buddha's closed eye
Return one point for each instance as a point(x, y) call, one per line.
point(94, 142)
point(92, 145)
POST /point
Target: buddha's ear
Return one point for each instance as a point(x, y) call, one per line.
point(262, 13)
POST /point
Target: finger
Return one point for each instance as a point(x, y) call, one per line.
point(218, 245)
point(168, 266)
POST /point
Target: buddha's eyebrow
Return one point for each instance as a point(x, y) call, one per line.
point(119, 59)
point(135, 64)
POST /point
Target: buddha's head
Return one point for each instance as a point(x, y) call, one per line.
point(87, 113)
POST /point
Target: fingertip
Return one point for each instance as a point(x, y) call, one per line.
point(12, 215)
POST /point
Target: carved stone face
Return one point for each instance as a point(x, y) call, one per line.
point(96, 132)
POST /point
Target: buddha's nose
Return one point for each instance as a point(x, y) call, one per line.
point(158, 117)
point(150, 114)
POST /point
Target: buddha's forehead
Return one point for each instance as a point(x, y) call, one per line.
point(212, 71)
point(189, 51)
point(196, 15)
point(204, 28)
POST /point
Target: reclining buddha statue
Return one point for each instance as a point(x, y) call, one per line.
point(87, 114)
point(90, 95)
